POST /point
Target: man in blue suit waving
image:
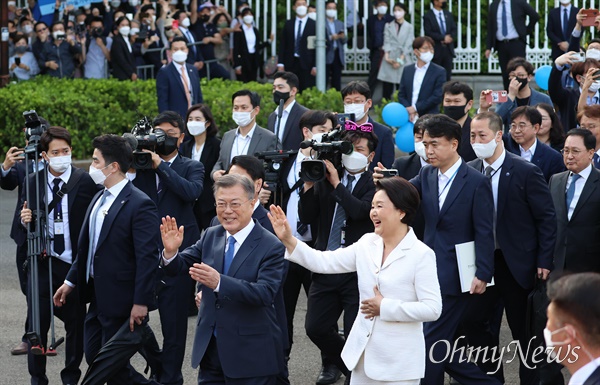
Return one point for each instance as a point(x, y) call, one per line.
point(240, 267)
point(178, 84)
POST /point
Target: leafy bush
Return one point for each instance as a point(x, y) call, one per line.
point(89, 108)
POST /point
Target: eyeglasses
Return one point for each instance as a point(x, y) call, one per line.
point(567, 151)
point(232, 205)
point(520, 126)
point(351, 126)
point(41, 30)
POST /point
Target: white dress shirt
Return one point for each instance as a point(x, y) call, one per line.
point(250, 38)
point(241, 143)
point(197, 153)
point(445, 181)
point(562, 12)
point(284, 117)
point(292, 206)
point(528, 154)
point(579, 183)
point(512, 31)
point(495, 179)
point(179, 67)
point(581, 375)
point(302, 26)
point(67, 255)
point(417, 82)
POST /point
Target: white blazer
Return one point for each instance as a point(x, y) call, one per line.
point(393, 343)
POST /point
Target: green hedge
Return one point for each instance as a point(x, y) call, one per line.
point(89, 108)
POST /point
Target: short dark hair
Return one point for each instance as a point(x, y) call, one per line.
point(145, 8)
point(531, 113)
point(419, 126)
point(557, 133)
point(253, 166)
point(519, 62)
point(313, 118)
point(594, 40)
point(119, 21)
point(453, 87)
point(404, 8)
point(581, 68)
point(421, 40)
point(589, 140)
point(246, 11)
point(575, 297)
point(20, 36)
point(330, 2)
point(212, 129)
point(171, 117)
point(57, 23)
point(95, 19)
point(23, 19)
point(177, 39)
point(39, 23)
point(114, 148)
point(290, 78)
point(254, 97)
point(440, 125)
point(403, 195)
point(494, 120)
point(54, 133)
point(357, 87)
point(356, 136)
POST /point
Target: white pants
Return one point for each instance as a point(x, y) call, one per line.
point(360, 378)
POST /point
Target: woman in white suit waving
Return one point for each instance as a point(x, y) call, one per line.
point(398, 285)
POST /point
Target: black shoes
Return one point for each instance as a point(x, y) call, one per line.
point(329, 375)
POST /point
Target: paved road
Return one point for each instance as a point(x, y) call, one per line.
point(304, 363)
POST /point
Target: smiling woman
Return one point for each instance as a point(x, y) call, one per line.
point(398, 285)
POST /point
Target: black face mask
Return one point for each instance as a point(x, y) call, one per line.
point(278, 96)
point(204, 18)
point(167, 147)
point(455, 112)
point(523, 82)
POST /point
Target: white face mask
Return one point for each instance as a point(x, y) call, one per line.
point(57, 34)
point(124, 31)
point(134, 31)
point(60, 164)
point(426, 56)
point(248, 19)
point(87, 7)
point(565, 2)
point(357, 109)
point(355, 162)
point(28, 28)
point(420, 150)
point(12, 4)
point(595, 86)
point(134, 3)
point(485, 150)
point(592, 53)
point(331, 13)
point(196, 128)
point(398, 14)
point(186, 22)
point(301, 10)
point(115, 4)
point(312, 15)
point(180, 56)
point(97, 175)
point(318, 137)
point(242, 119)
point(382, 10)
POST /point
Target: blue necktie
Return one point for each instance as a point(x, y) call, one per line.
point(596, 160)
point(442, 25)
point(565, 23)
point(191, 40)
point(504, 19)
point(571, 190)
point(335, 236)
point(298, 37)
point(229, 254)
point(92, 225)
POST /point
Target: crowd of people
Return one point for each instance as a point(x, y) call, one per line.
point(210, 229)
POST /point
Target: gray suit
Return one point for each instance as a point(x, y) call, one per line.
point(262, 140)
point(396, 44)
point(339, 27)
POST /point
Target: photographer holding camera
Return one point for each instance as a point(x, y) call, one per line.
point(68, 192)
point(174, 183)
point(98, 50)
point(58, 56)
point(339, 207)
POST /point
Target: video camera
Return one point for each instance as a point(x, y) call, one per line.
point(272, 163)
point(33, 131)
point(330, 148)
point(144, 137)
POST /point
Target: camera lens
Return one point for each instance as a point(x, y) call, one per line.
point(312, 170)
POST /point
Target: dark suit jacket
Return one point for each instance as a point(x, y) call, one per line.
point(566, 99)
point(577, 240)
point(170, 91)
point(126, 257)
point(259, 214)
point(430, 95)
point(520, 10)
point(384, 152)
point(408, 167)
point(371, 29)
point(432, 29)
point(182, 185)
point(191, 59)
point(554, 28)
point(594, 378)
point(242, 313)
point(526, 220)
point(545, 157)
point(16, 178)
point(317, 206)
point(78, 200)
point(241, 56)
point(292, 132)
point(288, 38)
point(122, 61)
point(205, 205)
point(467, 215)
point(465, 150)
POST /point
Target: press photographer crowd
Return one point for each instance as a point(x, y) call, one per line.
point(409, 265)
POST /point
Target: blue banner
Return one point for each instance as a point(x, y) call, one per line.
point(47, 6)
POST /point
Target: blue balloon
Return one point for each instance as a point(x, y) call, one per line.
point(542, 75)
point(405, 139)
point(394, 114)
